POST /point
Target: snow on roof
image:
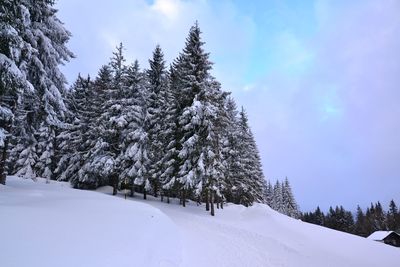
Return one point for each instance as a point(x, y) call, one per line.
point(380, 235)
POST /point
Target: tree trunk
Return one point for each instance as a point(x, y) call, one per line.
point(222, 203)
point(207, 201)
point(183, 198)
point(168, 197)
point(132, 193)
point(217, 202)
point(144, 193)
point(114, 189)
point(3, 175)
point(162, 196)
point(212, 203)
point(155, 190)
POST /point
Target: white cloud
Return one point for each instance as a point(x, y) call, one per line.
point(98, 26)
point(168, 8)
point(339, 121)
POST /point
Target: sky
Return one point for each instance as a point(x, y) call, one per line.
point(320, 80)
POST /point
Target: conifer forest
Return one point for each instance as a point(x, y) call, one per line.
point(167, 130)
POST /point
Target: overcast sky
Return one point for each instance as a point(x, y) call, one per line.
point(320, 80)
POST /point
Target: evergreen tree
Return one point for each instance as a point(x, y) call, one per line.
point(319, 217)
point(290, 206)
point(229, 149)
point(12, 79)
point(45, 165)
point(134, 159)
point(97, 162)
point(393, 219)
point(360, 225)
point(278, 201)
point(71, 138)
point(41, 48)
point(191, 78)
point(379, 217)
point(250, 184)
point(170, 134)
point(157, 93)
point(270, 194)
point(140, 150)
point(369, 221)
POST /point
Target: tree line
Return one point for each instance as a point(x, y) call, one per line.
point(169, 131)
point(375, 218)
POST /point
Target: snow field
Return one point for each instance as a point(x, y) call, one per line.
point(54, 225)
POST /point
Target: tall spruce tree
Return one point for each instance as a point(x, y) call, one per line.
point(290, 206)
point(359, 227)
point(191, 77)
point(41, 49)
point(71, 139)
point(231, 152)
point(157, 90)
point(278, 201)
point(170, 134)
point(97, 162)
point(251, 183)
point(134, 160)
point(393, 219)
point(12, 80)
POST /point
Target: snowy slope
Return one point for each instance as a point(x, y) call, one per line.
point(54, 225)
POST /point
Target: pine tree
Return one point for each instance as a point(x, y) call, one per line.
point(98, 163)
point(250, 185)
point(13, 83)
point(71, 137)
point(319, 217)
point(360, 225)
point(112, 119)
point(379, 217)
point(140, 150)
point(231, 152)
point(12, 80)
point(157, 90)
point(393, 221)
point(270, 194)
point(211, 108)
point(278, 201)
point(23, 156)
point(192, 75)
point(45, 165)
point(134, 159)
point(290, 206)
point(170, 134)
point(41, 48)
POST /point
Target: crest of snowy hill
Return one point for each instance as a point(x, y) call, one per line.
point(54, 225)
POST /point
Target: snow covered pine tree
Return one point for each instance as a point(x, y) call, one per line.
point(32, 47)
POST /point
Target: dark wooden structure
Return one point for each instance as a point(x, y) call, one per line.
point(388, 237)
point(392, 239)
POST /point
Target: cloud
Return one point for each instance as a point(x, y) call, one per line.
point(169, 8)
point(334, 121)
point(98, 26)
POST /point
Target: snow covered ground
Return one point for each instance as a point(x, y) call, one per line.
point(54, 225)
